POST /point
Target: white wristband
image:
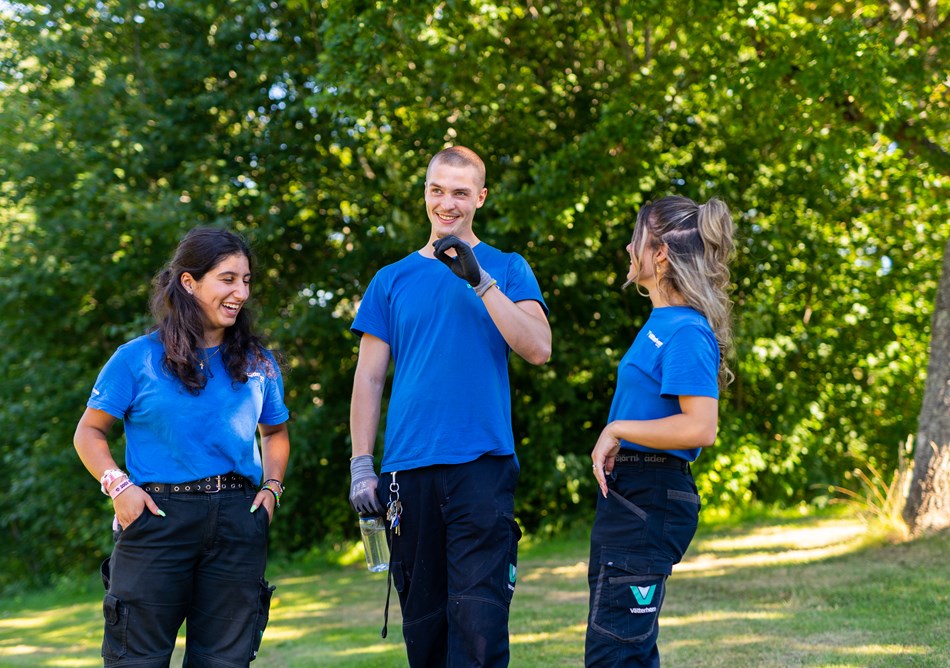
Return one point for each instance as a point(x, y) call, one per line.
point(109, 476)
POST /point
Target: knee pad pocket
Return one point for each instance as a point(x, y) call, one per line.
point(627, 600)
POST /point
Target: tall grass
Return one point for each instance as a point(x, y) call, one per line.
point(880, 500)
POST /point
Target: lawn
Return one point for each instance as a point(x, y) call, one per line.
point(782, 593)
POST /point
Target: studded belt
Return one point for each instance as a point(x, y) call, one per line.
point(210, 485)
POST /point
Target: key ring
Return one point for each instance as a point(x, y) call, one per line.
point(393, 489)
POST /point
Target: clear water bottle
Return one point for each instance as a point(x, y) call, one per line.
point(373, 530)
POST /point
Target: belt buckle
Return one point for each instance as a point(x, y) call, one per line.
point(218, 482)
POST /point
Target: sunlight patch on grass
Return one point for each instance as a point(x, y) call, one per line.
point(18, 650)
point(378, 648)
point(45, 618)
point(776, 545)
point(537, 573)
point(297, 610)
point(40, 656)
point(563, 596)
point(284, 632)
point(820, 534)
point(566, 633)
point(27, 622)
point(707, 617)
point(890, 650)
point(744, 640)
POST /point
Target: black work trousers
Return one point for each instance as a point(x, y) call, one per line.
point(203, 562)
point(454, 561)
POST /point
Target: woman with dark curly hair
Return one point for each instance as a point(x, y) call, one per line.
point(193, 393)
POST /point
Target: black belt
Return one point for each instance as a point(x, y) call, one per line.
point(210, 485)
point(649, 460)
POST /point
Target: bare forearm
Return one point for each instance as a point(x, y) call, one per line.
point(92, 446)
point(276, 453)
point(364, 415)
point(676, 432)
point(524, 328)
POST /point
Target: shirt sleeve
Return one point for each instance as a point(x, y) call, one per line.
point(114, 390)
point(372, 317)
point(274, 410)
point(521, 283)
point(690, 364)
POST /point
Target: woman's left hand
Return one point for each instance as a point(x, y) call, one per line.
point(266, 500)
point(603, 456)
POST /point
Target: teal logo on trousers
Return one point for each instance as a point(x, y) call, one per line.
point(512, 573)
point(644, 595)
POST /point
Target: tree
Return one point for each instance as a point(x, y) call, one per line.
point(928, 501)
point(306, 125)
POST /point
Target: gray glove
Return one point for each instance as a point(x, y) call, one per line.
point(363, 483)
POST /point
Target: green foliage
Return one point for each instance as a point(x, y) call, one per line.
point(307, 126)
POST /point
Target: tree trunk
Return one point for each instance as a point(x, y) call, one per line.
point(928, 501)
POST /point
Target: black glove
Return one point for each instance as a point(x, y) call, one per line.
point(464, 264)
point(363, 483)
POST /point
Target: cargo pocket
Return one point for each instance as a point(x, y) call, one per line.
point(511, 563)
point(680, 522)
point(115, 637)
point(627, 600)
point(266, 592)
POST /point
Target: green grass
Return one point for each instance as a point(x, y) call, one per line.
point(781, 592)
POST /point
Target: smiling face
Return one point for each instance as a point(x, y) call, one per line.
point(453, 195)
point(221, 293)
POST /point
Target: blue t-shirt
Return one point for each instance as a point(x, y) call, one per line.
point(450, 400)
point(174, 436)
point(675, 354)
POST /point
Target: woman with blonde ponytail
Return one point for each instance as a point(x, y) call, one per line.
point(665, 410)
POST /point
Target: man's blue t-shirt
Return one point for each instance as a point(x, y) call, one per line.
point(675, 354)
point(450, 401)
point(174, 436)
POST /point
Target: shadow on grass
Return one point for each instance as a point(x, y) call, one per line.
point(790, 593)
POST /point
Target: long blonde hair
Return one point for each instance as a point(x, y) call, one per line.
point(700, 243)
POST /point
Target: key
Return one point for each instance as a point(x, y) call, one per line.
point(393, 515)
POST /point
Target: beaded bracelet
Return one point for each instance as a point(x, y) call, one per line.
point(280, 485)
point(273, 491)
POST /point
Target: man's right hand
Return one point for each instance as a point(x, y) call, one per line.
point(363, 483)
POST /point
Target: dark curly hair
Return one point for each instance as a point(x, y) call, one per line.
point(178, 317)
